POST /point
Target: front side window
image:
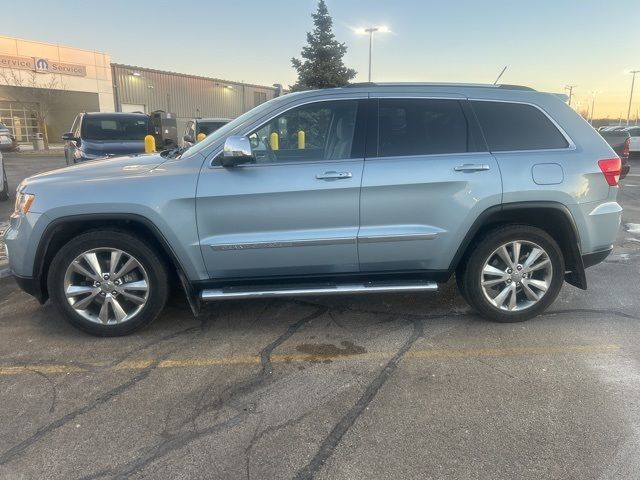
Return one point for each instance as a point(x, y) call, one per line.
point(421, 127)
point(318, 131)
point(517, 126)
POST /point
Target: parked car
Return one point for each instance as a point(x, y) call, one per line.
point(196, 126)
point(103, 134)
point(620, 141)
point(364, 189)
point(8, 142)
point(634, 145)
point(4, 184)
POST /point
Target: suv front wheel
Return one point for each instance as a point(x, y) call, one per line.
point(108, 283)
point(513, 273)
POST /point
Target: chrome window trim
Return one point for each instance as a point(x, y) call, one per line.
point(248, 130)
point(568, 139)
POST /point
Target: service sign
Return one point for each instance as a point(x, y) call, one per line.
point(42, 65)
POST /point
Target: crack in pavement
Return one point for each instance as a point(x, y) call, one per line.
point(18, 449)
point(332, 440)
point(51, 383)
point(175, 441)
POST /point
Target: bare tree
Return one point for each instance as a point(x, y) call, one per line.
point(37, 94)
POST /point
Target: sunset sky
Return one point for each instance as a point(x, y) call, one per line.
point(546, 44)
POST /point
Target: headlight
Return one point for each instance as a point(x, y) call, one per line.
point(23, 203)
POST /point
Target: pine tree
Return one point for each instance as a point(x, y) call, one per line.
point(322, 65)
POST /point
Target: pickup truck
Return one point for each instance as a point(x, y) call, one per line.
point(620, 141)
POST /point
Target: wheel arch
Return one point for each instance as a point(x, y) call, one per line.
point(61, 230)
point(552, 217)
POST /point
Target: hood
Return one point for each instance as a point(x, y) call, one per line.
point(112, 147)
point(134, 165)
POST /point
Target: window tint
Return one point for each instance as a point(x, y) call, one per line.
point(318, 131)
point(515, 126)
point(421, 127)
point(116, 127)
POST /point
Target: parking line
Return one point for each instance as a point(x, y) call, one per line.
point(307, 358)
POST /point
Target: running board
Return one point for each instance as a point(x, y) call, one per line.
point(232, 293)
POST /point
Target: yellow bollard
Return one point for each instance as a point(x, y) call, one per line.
point(149, 144)
point(275, 145)
point(301, 139)
point(201, 136)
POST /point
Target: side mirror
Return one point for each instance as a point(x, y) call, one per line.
point(188, 138)
point(236, 151)
point(68, 137)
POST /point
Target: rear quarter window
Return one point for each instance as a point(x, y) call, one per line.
point(517, 126)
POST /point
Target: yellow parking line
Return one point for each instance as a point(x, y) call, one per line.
point(308, 358)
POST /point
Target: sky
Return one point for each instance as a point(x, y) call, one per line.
point(546, 44)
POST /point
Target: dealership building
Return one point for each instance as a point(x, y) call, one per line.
point(56, 82)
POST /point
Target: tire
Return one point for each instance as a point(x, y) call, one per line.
point(536, 279)
point(130, 297)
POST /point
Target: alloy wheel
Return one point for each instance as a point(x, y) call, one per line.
point(106, 286)
point(516, 275)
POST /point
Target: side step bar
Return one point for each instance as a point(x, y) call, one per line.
point(233, 293)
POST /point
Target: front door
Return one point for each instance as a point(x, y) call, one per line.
point(295, 211)
point(427, 180)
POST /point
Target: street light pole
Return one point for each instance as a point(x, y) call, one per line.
point(633, 81)
point(370, 31)
point(593, 101)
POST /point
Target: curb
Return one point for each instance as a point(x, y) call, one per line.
point(41, 153)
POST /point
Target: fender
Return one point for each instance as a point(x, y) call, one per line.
point(520, 212)
point(40, 268)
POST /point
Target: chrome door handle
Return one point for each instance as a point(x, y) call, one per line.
point(333, 175)
point(471, 167)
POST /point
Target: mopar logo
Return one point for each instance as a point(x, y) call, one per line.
point(42, 65)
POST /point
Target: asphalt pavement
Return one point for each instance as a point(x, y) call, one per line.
point(408, 386)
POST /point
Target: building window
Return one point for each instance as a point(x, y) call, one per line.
point(258, 98)
point(20, 119)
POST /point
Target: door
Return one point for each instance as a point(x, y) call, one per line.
point(424, 184)
point(295, 211)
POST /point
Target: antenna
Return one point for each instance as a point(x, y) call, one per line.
point(505, 67)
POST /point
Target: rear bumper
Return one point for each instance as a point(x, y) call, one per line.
point(591, 259)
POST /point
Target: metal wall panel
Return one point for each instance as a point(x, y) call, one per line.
point(185, 95)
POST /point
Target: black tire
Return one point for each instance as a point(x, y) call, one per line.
point(470, 274)
point(153, 264)
point(4, 195)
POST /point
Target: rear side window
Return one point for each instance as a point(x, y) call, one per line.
point(516, 126)
point(421, 127)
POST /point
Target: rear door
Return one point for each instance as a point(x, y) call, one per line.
point(296, 210)
point(427, 179)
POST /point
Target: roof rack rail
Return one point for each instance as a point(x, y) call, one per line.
point(507, 86)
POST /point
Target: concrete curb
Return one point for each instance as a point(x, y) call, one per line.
point(41, 153)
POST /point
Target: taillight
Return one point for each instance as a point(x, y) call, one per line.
point(625, 149)
point(611, 168)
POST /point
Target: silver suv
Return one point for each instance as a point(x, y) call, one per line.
point(364, 189)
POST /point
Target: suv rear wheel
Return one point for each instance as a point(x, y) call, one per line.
point(108, 283)
point(513, 273)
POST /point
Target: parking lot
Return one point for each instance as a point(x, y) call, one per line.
point(357, 387)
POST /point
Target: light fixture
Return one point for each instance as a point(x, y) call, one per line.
point(150, 86)
point(135, 74)
point(230, 87)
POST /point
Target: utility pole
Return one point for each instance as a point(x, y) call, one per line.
point(570, 88)
point(633, 81)
point(593, 101)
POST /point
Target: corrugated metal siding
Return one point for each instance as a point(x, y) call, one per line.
point(185, 95)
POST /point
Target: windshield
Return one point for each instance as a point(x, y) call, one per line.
point(229, 127)
point(209, 127)
point(116, 127)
